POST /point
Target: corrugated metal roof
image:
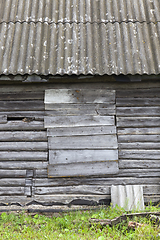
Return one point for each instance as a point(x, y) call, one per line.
point(79, 11)
point(80, 37)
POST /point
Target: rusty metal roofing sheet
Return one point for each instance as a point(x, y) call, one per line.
point(79, 11)
point(42, 48)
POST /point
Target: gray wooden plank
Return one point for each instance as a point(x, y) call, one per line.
point(143, 93)
point(138, 173)
point(23, 164)
point(138, 111)
point(20, 114)
point(23, 156)
point(15, 96)
point(75, 121)
point(42, 175)
point(151, 189)
point(11, 191)
point(139, 164)
point(3, 119)
point(139, 145)
point(23, 146)
point(75, 131)
point(22, 125)
point(83, 142)
point(79, 106)
point(138, 121)
point(137, 101)
point(139, 154)
point(83, 189)
point(143, 131)
point(83, 169)
point(14, 199)
point(77, 111)
point(79, 96)
point(5, 173)
point(22, 105)
point(68, 198)
point(89, 190)
point(75, 156)
point(138, 138)
point(99, 181)
point(27, 136)
point(10, 182)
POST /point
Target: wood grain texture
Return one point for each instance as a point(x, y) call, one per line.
point(139, 138)
point(11, 191)
point(137, 173)
point(83, 169)
point(79, 106)
point(138, 111)
point(143, 131)
point(79, 96)
point(12, 182)
point(83, 189)
point(75, 131)
point(77, 111)
point(139, 145)
point(75, 121)
point(16, 96)
point(75, 156)
point(23, 146)
point(96, 181)
point(139, 164)
point(69, 198)
point(37, 115)
point(88, 189)
point(138, 121)
point(23, 156)
point(12, 173)
point(22, 125)
point(27, 136)
point(23, 164)
point(123, 102)
point(83, 142)
point(22, 105)
point(139, 154)
point(138, 93)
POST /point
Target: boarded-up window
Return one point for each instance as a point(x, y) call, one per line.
point(81, 132)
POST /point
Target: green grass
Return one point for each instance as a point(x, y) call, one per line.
point(75, 225)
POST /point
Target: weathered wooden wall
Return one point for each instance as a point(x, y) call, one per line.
point(24, 145)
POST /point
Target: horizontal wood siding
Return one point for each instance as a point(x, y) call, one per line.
point(24, 153)
point(23, 141)
point(138, 131)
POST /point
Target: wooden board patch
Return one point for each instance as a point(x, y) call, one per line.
point(75, 156)
point(83, 169)
point(83, 142)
